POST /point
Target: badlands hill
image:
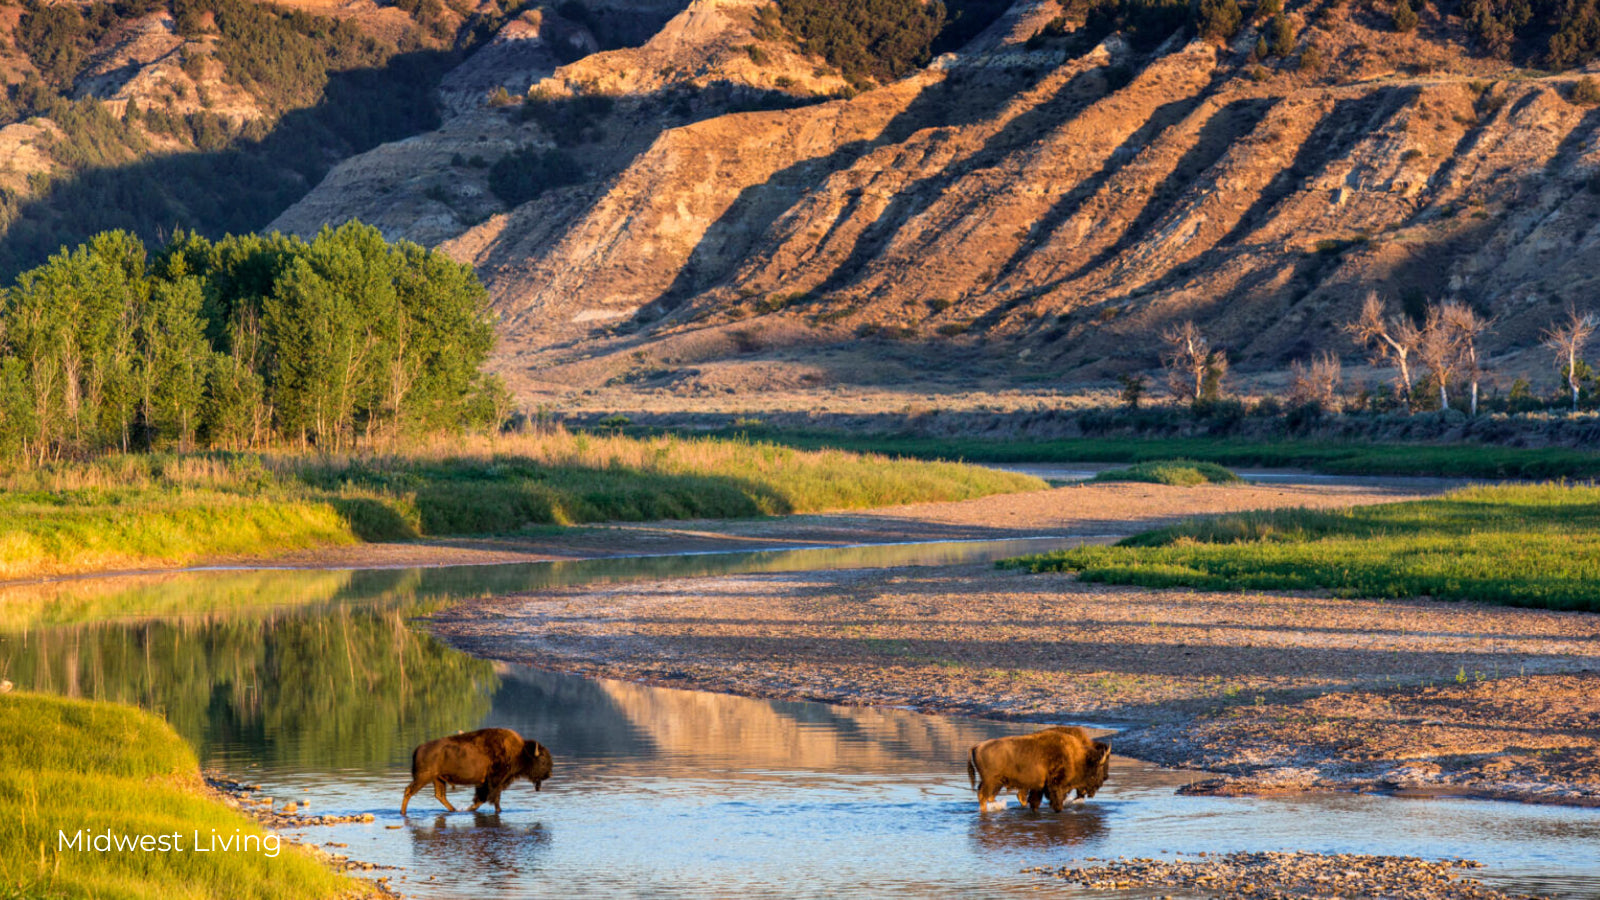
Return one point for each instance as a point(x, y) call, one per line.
point(681, 201)
point(1038, 204)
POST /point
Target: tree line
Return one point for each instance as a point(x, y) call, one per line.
point(240, 342)
point(1434, 359)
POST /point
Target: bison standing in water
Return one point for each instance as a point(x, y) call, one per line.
point(489, 759)
point(1049, 763)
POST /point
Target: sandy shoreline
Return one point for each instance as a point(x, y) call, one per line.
point(1270, 692)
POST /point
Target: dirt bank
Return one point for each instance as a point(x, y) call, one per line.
point(1275, 691)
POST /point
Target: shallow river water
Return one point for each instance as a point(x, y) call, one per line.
point(319, 685)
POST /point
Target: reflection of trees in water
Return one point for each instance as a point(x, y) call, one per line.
point(351, 686)
point(1018, 829)
point(479, 844)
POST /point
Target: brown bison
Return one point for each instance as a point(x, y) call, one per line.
point(489, 760)
point(1049, 763)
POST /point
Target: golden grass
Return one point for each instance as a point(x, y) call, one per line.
point(140, 511)
point(71, 765)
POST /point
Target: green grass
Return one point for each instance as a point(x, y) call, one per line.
point(1176, 472)
point(1331, 457)
point(1522, 545)
point(67, 765)
point(135, 511)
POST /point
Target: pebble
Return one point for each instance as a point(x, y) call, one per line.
point(1286, 876)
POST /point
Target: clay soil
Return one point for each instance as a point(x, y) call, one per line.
point(1266, 692)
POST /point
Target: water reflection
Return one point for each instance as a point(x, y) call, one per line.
point(501, 853)
point(315, 669)
point(1018, 829)
point(241, 593)
point(349, 687)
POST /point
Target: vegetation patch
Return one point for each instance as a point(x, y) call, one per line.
point(1522, 545)
point(1331, 457)
point(71, 765)
point(129, 511)
point(1178, 472)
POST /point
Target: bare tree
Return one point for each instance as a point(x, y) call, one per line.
point(1392, 339)
point(1439, 350)
point(1568, 340)
point(1194, 369)
point(1466, 326)
point(1317, 383)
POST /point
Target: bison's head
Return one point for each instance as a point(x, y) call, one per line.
point(536, 763)
point(1099, 762)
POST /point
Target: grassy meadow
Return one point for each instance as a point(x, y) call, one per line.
point(138, 510)
point(1522, 545)
point(1329, 457)
point(67, 765)
point(1174, 472)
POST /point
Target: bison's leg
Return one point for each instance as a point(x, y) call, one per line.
point(1033, 798)
point(1022, 795)
point(479, 794)
point(1058, 797)
point(986, 791)
point(411, 790)
point(438, 791)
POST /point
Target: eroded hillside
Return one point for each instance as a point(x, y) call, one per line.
point(1033, 206)
point(678, 200)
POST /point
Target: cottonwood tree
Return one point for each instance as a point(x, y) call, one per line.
point(1393, 339)
point(1439, 349)
point(1194, 368)
point(1568, 340)
point(337, 339)
point(1466, 327)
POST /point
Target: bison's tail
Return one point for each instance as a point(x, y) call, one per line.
point(972, 767)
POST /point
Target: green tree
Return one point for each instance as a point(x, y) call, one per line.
point(1218, 19)
point(1280, 35)
point(1405, 18)
point(174, 359)
point(325, 321)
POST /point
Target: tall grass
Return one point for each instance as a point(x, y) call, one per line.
point(1523, 545)
point(67, 765)
point(133, 511)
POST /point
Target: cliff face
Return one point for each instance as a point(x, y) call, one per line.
point(1031, 206)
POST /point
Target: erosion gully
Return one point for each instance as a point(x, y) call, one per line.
point(316, 684)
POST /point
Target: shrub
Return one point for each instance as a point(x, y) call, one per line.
point(1405, 18)
point(1218, 19)
point(525, 174)
point(1280, 35)
point(1175, 472)
point(866, 39)
point(1585, 92)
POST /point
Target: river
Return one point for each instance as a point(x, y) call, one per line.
point(316, 684)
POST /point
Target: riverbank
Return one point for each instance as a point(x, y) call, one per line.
point(144, 511)
point(1276, 691)
point(102, 771)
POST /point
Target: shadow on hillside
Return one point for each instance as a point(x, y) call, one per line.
point(724, 245)
point(240, 188)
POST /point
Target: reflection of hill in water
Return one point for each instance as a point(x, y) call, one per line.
point(585, 718)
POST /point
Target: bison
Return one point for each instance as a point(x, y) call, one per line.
point(1049, 763)
point(489, 760)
